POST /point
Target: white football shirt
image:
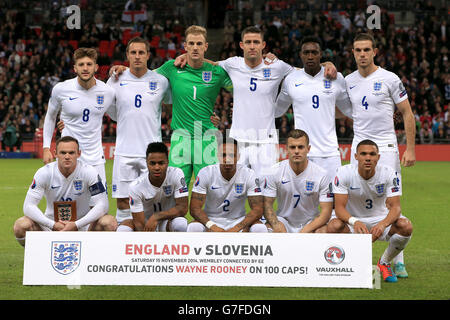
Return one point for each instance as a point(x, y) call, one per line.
point(298, 196)
point(145, 197)
point(313, 99)
point(82, 186)
point(82, 112)
point(138, 111)
point(373, 104)
point(367, 198)
point(225, 199)
point(254, 95)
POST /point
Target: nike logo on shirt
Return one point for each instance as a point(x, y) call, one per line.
point(351, 87)
point(70, 98)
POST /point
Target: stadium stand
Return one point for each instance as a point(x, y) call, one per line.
point(36, 51)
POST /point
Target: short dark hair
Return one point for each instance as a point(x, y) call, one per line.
point(365, 36)
point(313, 39)
point(252, 29)
point(366, 142)
point(297, 133)
point(67, 139)
point(158, 147)
point(138, 40)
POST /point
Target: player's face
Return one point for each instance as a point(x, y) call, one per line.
point(67, 154)
point(157, 164)
point(364, 53)
point(85, 68)
point(311, 55)
point(138, 55)
point(196, 47)
point(297, 149)
point(252, 44)
point(228, 156)
point(367, 157)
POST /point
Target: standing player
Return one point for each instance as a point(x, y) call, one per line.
point(82, 101)
point(299, 186)
point(314, 99)
point(159, 199)
point(367, 200)
point(194, 92)
point(66, 179)
point(223, 189)
point(139, 95)
point(374, 93)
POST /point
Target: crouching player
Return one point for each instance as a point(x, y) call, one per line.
point(367, 200)
point(159, 199)
point(223, 189)
point(73, 185)
point(300, 186)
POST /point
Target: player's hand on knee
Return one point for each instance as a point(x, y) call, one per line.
point(377, 231)
point(360, 227)
point(58, 226)
point(215, 228)
point(60, 125)
point(180, 61)
point(69, 226)
point(279, 227)
point(151, 224)
point(116, 71)
point(47, 156)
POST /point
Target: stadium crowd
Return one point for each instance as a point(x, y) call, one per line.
point(35, 55)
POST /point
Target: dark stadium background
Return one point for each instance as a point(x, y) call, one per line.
point(36, 51)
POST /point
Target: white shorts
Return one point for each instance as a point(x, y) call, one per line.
point(125, 171)
point(261, 157)
point(290, 228)
point(389, 156)
point(329, 164)
point(225, 223)
point(371, 222)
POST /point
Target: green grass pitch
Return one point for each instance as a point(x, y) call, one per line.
point(425, 202)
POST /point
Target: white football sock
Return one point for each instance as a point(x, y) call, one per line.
point(396, 244)
point(123, 214)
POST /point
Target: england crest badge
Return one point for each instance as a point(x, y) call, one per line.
point(207, 76)
point(66, 256)
point(100, 99)
point(379, 188)
point(239, 188)
point(153, 85)
point(78, 185)
point(267, 72)
point(327, 84)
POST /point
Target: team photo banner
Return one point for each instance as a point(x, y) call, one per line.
point(198, 259)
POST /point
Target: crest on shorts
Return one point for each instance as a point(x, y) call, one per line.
point(327, 84)
point(66, 256)
point(78, 185)
point(377, 86)
point(100, 99)
point(379, 188)
point(267, 72)
point(239, 188)
point(167, 190)
point(207, 76)
point(309, 186)
point(153, 85)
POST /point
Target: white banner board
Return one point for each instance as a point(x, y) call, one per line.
point(198, 259)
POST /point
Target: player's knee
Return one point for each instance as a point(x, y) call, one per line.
point(195, 227)
point(21, 226)
point(259, 227)
point(179, 224)
point(107, 223)
point(404, 227)
point(335, 226)
point(322, 229)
